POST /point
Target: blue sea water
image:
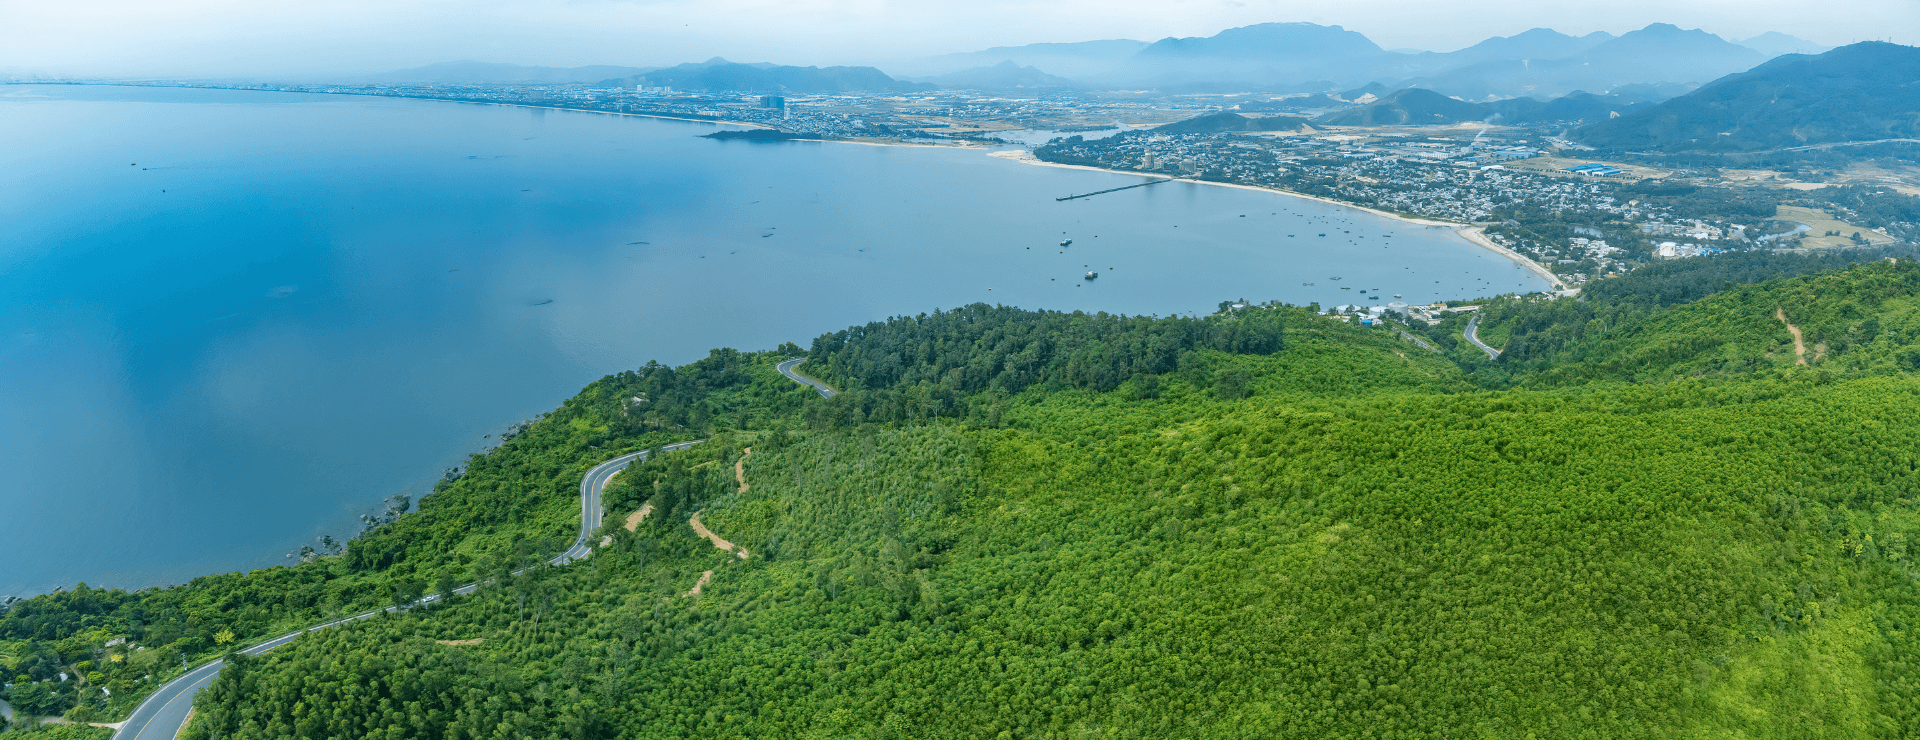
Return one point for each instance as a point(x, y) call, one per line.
point(231, 321)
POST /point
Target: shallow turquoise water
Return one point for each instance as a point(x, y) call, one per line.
point(232, 321)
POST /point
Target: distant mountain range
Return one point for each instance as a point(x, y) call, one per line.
point(1419, 106)
point(1264, 54)
point(1306, 57)
point(1083, 59)
point(1652, 63)
point(472, 72)
point(1228, 121)
point(720, 74)
point(1006, 75)
point(1864, 92)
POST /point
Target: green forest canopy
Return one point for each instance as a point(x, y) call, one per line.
point(1263, 523)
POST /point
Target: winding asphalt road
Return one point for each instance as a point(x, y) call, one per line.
point(163, 714)
point(1472, 323)
point(786, 368)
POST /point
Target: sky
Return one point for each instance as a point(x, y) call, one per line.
point(215, 38)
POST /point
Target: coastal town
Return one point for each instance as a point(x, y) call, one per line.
point(1524, 189)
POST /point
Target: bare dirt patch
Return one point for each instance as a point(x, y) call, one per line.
point(701, 530)
point(634, 519)
point(474, 641)
point(1799, 342)
point(740, 468)
point(705, 578)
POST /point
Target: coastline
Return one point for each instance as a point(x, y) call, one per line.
point(602, 112)
point(1472, 234)
point(1477, 235)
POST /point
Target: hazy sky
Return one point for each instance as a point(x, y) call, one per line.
point(289, 37)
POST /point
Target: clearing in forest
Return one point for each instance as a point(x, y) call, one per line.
point(634, 519)
point(740, 468)
point(1823, 223)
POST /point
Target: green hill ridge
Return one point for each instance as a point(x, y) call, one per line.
point(1262, 523)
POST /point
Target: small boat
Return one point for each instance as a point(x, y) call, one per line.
point(1307, 284)
point(1336, 277)
point(1066, 242)
point(1092, 275)
point(1373, 298)
point(1396, 295)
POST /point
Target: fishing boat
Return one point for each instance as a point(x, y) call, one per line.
point(1092, 275)
point(1066, 242)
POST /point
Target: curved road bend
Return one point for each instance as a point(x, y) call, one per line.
point(162, 715)
point(786, 368)
point(1472, 336)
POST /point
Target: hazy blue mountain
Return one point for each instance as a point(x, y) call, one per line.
point(1290, 104)
point(1575, 107)
point(1863, 92)
point(1225, 121)
point(1538, 43)
point(1002, 76)
point(1360, 94)
point(1665, 53)
point(1775, 43)
point(1535, 44)
point(473, 72)
point(1409, 106)
point(1416, 106)
point(720, 74)
point(1264, 54)
point(1082, 59)
point(1659, 53)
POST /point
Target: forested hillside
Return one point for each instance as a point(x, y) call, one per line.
point(1633, 329)
point(1263, 523)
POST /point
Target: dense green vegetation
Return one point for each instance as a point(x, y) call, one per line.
point(1629, 329)
point(1654, 522)
point(1860, 92)
point(515, 505)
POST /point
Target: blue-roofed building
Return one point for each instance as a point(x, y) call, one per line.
point(1594, 169)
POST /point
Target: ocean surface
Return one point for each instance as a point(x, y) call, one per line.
point(232, 321)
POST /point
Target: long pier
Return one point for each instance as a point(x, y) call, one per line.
point(1118, 189)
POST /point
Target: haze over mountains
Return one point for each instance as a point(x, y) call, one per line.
point(1868, 91)
point(1658, 61)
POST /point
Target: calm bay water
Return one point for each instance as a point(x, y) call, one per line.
point(232, 321)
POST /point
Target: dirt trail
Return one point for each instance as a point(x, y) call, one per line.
point(474, 641)
point(1799, 342)
point(705, 578)
point(740, 468)
point(634, 519)
point(701, 530)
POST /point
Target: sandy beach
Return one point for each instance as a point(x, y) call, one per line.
point(1473, 234)
point(618, 113)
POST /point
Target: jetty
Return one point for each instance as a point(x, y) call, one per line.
point(1118, 189)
